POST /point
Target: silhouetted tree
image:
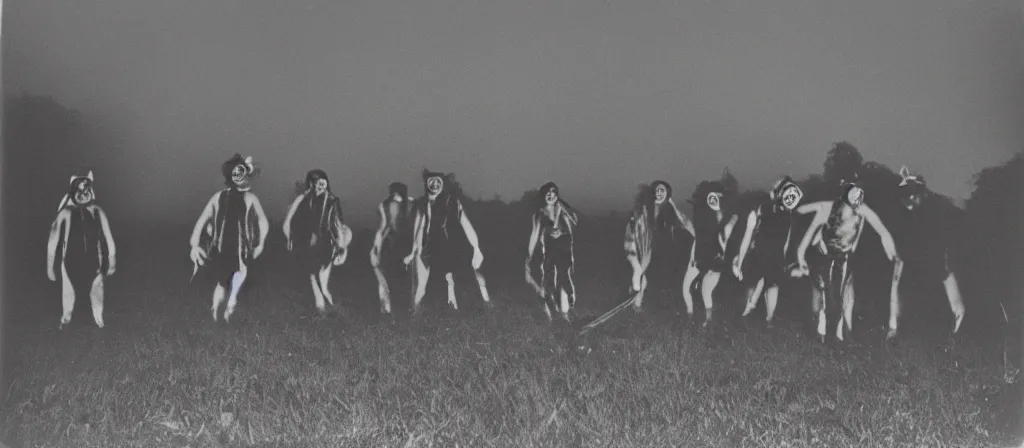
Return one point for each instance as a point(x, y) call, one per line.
point(843, 162)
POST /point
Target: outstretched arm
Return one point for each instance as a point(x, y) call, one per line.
point(748, 235)
point(883, 233)
point(821, 211)
point(287, 226)
point(51, 244)
point(378, 237)
point(204, 218)
point(683, 220)
point(108, 237)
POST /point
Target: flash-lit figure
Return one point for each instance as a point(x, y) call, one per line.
point(439, 218)
point(236, 227)
point(554, 224)
point(81, 234)
point(922, 254)
point(393, 237)
point(766, 239)
point(315, 228)
point(713, 227)
point(654, 214)
point(836, 230)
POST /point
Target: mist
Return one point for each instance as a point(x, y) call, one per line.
point(598, 96)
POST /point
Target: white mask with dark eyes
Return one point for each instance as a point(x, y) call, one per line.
point(320, 187)
point(434, 186)
point(238, 174)
point(660, 194)
point(715, 201)
point(791, 197)
point(83, 193)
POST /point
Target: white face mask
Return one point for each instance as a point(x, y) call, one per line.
point(238, 175)
point(660, 194)
point(320, 187)
point(715, 201)
point(434, 186)
point(84, 194)
point(855, 197)
point(791, 197)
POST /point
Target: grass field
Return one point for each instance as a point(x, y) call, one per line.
point(163, 374)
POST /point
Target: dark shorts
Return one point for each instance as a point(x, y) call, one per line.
point(759, 264)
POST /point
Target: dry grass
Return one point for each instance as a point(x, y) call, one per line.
point(163, 374)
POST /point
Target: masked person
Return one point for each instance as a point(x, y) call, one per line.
point(553, 228)
point(440, 225)
point(236, 228)
point(766, 240)
point(836, 230)
point(81, 234)
point(713, 226)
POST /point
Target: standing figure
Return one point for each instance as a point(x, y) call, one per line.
point(315, 223)
point(394, 234)
point(81, 234)
point(924, 255)
point(237, 229)
point(707, 255)
point(767, 236)
point(554, 225)
point(654, 216)
point(836, 230)
point(439, 218)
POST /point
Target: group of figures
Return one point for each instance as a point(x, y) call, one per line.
point(429, 234)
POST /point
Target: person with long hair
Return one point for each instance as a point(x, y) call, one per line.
point(553, 227)
point(655, 213)
point(314, 227)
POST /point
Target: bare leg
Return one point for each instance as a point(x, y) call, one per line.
point(218, 297)
point(848, 300)
point(771, 299)
point(753, 294)
point(688, 279)
point(640, 294)
point(67, 294)
point(894, 299)
point(483, 287)
point(317, 294)
point(383, 291)
point(564, 304)
point(818, 308)
point(707, 290)
point(422, 275)
point(325, 277)
point(450, 279)
point(956, 302)
point(96, 294)
point(237, 280)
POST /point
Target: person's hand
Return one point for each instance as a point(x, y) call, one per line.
point(374, 258)
point(289, 244)
point(50, 275)
point(340, 258)
point(198, 255)
point(408, 259)
point(112, 267)
point(736, 263)
point(257, 252)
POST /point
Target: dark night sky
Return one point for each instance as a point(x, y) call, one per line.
point(597, 95)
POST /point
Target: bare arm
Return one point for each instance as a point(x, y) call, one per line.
point(748, 235)
point(811, 207)
point(287, 226)
point(683, 220)
point(821, 210)
point(378, 237)
point(204, 218)
point(468, 228)
point(262, 222)
point(51, 244)
point(729, 226)
point(108, 236)
point(534, 236)
point(417, 241)
point(883, 233)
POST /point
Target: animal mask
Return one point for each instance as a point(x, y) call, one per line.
point(317, 182)
point(80, 191)
point(662, 191)
point(238, 171)
point(912, 188)
point(786, 193)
